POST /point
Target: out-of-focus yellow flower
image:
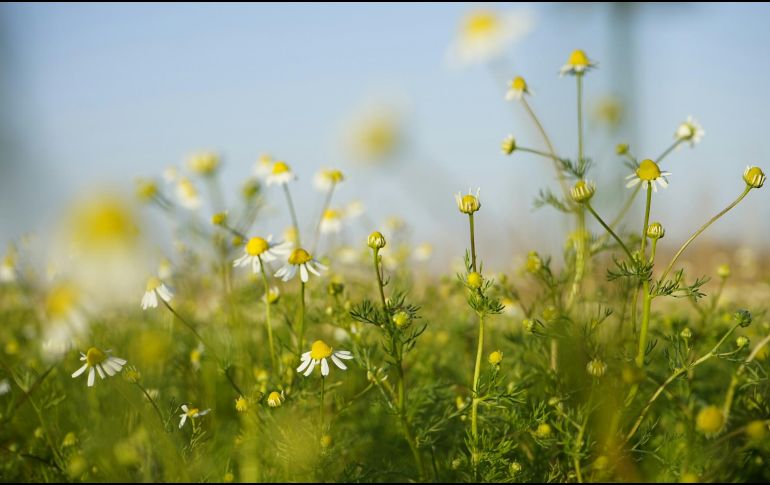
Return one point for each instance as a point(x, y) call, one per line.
point(241, 405)
point(609, 111)
point(326, 178)
point(710, 420)
point(517, 89)
point(204, 163)
point(264, 166)
point(102, 222)
point(146, 189)
point(495, 357)
point(331, 221)
point(577, 64)
point(485, 34)
point(281, 174)
point(187, 194)
point(375, 135)
point(423, 252)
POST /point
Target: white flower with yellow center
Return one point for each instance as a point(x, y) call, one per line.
point(192, 413)
point(204, 163)
point(264, 166)
point(99, 361)
point(485, 34)
point(187, 194)
point(690, 131)
point(155, 288)
point(302, 260)
point(280, 174)
point(328, 178)
point(258, 251)
point(649, 173)
point(354, 209)
point(275, 399)
point(318, 354)
point(468, 203)
point(517, 89)
point(423, 252)
point(331, 221)
point(578, 63)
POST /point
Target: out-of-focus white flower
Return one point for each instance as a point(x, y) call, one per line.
point(192, 413)
point(155, 288)
point(280, 174)
point(423, 252)
point(354, 209)
point(331, 221)
point(690, 131)
point(264, 166)
point(187, 194)
point(327, 178)
point(170, 174)
point(486, 34)
point(5, 387)
point(8, 268)
point(204, 163)
point(258, 251)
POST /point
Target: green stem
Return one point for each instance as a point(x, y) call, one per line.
point(609, 230)
point(671, 379)
point(154, 404)
point(267, 315)
point(580, 256)
point(188, 325)
point(551, 150)
point(325, 207)
point(321, 411)
point(644, 331)
point(380, 286)
point(473, 243)
point(703, 228)
point(476, 397)
point(643, 246)
point(579, 79)
point(301, 319)
point(292, 212)
point(669, 150)
point(736, 376)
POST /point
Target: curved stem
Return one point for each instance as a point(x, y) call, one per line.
point(703, 228)
point(268, 323)
point(609, 230)
point(669, 150)
point(292, 212)
point(736, 376)
point(551, 150)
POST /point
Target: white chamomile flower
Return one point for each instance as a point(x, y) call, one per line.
point(423, 252)
point(690, 131)
point(486, 34)
point(318, 354)
point(99, 361)
point(354, 209)
point(155, 288)
point(302, 260)
point(327, 178)
point(517, 89)
point(331, 221)
point(264, 166)
point(187, 194)
point(192, 413)
point(280, 174)
point(258, 251)
point(649, 173)
point(578, 63)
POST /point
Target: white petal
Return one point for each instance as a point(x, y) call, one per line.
point(80, 371)
point(118, 360)
point(106, 368)
point(338, 362)
point(633, 183)
point(100, 370)
point(183, 420)
point(164, 292)
point(311, 367)
point(303, 365)
point(344, 354)
point(324, 367)
point(312, 269)
point(184, 408)
point(663, 182)
point(242, 261)
point(203, 413)
point(303, 273)
point(91, 377)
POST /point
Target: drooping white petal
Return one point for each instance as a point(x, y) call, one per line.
point(118, 360)
point(338, 362)
point(203, 413)
point(78, 372)
point(164, 292)
point(303, 273)
point(633, 183)
point(91, 377)
point(303, 365)
point(324, 368)
point(310, 368)
point(106, 368)
point(183, 420)
point(242, 261)
point(100, 370)
point(184, 408)
point(311, 268)
point(344, 354)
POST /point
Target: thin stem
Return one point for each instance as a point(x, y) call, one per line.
point(547, 140)
point(267, 314)
point(473, 243)
point(669, 150)
point(736, 376)
point(703, 228)
point(646, 221)
point(476, 399)
point(580, 256)
point(609, 230)
point(644, 331)
point(327, 202)
point(188, 325)
point(321, 411)
point(154, 404)
point(301, 318)
point(671, 379)
point(293, 213)
point(380, 285)
point(579, 79)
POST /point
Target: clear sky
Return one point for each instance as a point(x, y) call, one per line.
point(110, 92)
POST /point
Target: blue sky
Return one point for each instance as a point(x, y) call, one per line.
point(110, 92)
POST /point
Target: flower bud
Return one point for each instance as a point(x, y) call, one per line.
point(469, 203)
point(710, 420)
point(376, 240)
point(655, 231)
point(596, 368)
point(582, 191)
point(475, 280)
point(402, 319)
point(754, 177)
point(509, 145)
point(723, 271)
point(496, 357)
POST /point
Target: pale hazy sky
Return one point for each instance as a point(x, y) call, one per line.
point(110, 92)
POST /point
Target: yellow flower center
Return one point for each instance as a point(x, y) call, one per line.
point(280, 167)
point(204, 163)
point(480, 23)
point(192, 412)
point(103, 222)
point(334, 176)
point(95, 356)
point(274, 398)
point(299, 256)
point(648, 170)
point(320, 350)
point(153, 283)
point(61, 300)
point(519, 84)
point(241, 405)
point(256, 246)
point(331, 214)
point(578, 58)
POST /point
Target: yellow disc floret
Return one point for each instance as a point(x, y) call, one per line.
point(648, 170)
point(153, 283)
point(578, 58)
point(519, 84)
point(754, 177)
point(480, 23)
point(61, 300)
point(710, 420)
point(95, 356)
point(280, 167)
point(299, 256)
point(319, 350)
point(331, 214)
point(256, 246)
point(192, 412)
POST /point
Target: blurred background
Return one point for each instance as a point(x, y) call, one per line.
point(97, 95)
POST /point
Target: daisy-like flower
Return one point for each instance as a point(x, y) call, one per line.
point(327, 178)
point(259, 250)
point(469, 203)
point(192, 413)
point(155, 288)
point(280, 174)
point(99, 361)
point(690, 131)
point(299, 258)
point(264, 166)
point(649, 173)
point(275, 399)
point(508, 145)
point(486, 34)
point(517, 89)
point(331, 221)
point(578, 63)
point(318, 353)
point(187, 194)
